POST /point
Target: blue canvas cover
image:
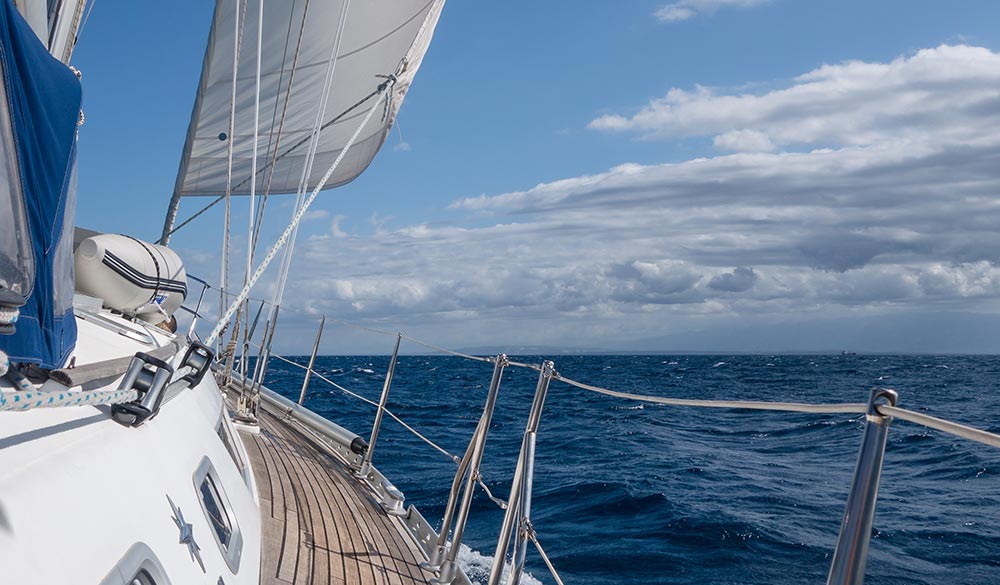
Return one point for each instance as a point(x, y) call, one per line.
point(43, 103)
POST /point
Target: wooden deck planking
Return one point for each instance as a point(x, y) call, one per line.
point(378, 530)
point(319, 512)
point(320, 525)
point(352, 546)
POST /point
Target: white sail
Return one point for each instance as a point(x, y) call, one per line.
point(381, 37)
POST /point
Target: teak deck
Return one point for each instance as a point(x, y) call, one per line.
point(320, 525)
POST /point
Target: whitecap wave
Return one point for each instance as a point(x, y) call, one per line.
point(476, 567)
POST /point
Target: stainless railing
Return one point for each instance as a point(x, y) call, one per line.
point(516, 531)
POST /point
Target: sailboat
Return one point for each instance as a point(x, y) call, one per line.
point(134, 451)
point(122, 461)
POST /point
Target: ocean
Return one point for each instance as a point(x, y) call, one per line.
point(627, 492)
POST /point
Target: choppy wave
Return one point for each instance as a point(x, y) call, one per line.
point(626, 493)
point(477, 567)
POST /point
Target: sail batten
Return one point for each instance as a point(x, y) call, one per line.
point(379, 36)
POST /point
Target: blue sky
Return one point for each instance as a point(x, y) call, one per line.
point(794, 214)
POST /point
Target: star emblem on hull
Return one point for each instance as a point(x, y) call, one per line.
point(187, 534)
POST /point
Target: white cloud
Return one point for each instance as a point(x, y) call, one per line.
point(685, 9)
point(744, 141)
point(335, 229)
point(315, 214)
point(940, 94)
point(899, 211)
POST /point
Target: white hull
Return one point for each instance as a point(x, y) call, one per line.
point(78, 491)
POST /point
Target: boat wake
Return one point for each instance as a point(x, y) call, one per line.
point(477, 567)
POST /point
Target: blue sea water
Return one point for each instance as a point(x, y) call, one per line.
point(628, 492)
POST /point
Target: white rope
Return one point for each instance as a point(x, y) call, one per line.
point(4, 364)
point(8, 315)
point(952, 428)
point(17, 379)
point(58, 398)
point(295, 221)
point(840, 408)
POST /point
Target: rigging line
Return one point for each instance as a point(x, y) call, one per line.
point(296, 145)
point(286, 260)
point(366, 98)
point(421, 437)
point(288, 361)
point(314, 147)
point(190, 219)
point(952, 428)
point(86, 18)
point(226, 240)
point(345, 390)
point(253, 161)
point(284, 109)
point(283, 239)
point(447, 351)
point(332, 121)
point(265, 348)
point(256, 137)
point(259, 300)
point(272, 311)
point(393, 334)
point(291, 73)
point(545, 557)
point(841, 408)
point(388, 412)
point(321, 377)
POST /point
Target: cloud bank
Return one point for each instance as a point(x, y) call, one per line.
point(861, 189)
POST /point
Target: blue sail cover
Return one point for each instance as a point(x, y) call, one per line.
point(43, 103)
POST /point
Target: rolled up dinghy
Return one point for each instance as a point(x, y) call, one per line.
point(131, 276)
